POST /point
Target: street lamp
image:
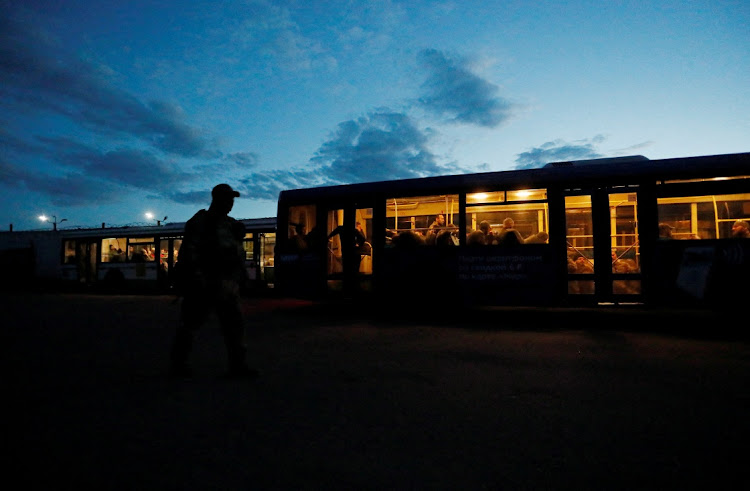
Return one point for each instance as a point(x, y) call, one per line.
point(44, 218)
point(150, 216)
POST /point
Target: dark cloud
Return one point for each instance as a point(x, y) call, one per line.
point(37, 76)
point(71, 189)
point(381, 146)
point(454, 92)
point(558, 151)
point(135, 168)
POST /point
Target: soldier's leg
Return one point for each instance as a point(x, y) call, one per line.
point(193, 311)
point(229, 312)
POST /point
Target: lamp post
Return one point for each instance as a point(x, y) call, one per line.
point(150, 216)
point(44, 218)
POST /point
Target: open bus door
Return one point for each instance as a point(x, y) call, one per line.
point(349, 252)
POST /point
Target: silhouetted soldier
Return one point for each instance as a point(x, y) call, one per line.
point(212, 267)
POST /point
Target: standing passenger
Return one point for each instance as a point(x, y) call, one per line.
point(665, 231)
point(212, 261)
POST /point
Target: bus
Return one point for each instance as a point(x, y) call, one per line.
point(135, 258)
point(584, 233)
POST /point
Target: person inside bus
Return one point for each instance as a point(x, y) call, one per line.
point(115, 255)
point(475, 238)
point(509, 236)
point(438, 224)
point(489, 235)
point(298, 241)
point(356, 237)
point(446, 237)
point(539, 238)
point(408, 239)
point(212, 265)
point(741, 230)
point(665, 231)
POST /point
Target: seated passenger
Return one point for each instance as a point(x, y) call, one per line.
point(489, 235)
point(584, 266)
point(509, 236)
point(408, 239)
point(444, 238)
point(538, 238)
point(475, 238)
point(741, 230)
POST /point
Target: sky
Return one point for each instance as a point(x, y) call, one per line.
point(113, 109)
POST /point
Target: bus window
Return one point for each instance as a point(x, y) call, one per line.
point(248, 245)
point(69, 252)
point(703, 217)
point(113, 250)
point(301, 223)
point(487, 211)
point(141, 249)
point(422, 219)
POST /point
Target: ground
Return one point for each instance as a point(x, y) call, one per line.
point(498, 399)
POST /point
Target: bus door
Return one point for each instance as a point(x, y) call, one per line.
point(604, 253)
point(87, 253)
point(349, 251)
point(265, 257)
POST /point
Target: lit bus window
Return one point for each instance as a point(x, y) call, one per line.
point(248, 245)
point(489, 197)
point(702, 217)
point(301, 228)
point(141, 249)
point(113, 250)
point(526, 210)
point(420, 220)
point(69, 252)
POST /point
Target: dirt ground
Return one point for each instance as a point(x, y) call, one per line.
point(503, 399)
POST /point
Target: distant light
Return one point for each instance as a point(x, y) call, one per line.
point(149, 215)
point(43, 218)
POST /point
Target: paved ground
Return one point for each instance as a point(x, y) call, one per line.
point(502, 399)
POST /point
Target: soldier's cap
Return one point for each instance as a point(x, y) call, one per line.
point(224, 190)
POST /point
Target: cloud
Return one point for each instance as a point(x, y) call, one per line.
point(243, 159)
point(39, 79)
point(452, 91)
point(559, 151)
point(381, 146)
point(268, 32)
point(71, 189)
point(36, 76)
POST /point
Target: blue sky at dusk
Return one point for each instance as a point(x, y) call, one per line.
point(112, 109)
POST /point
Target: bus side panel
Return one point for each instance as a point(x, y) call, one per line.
point(422, 278)
point(498, 276)
point(300, 275)
point(694, 273)
point(436, 278)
